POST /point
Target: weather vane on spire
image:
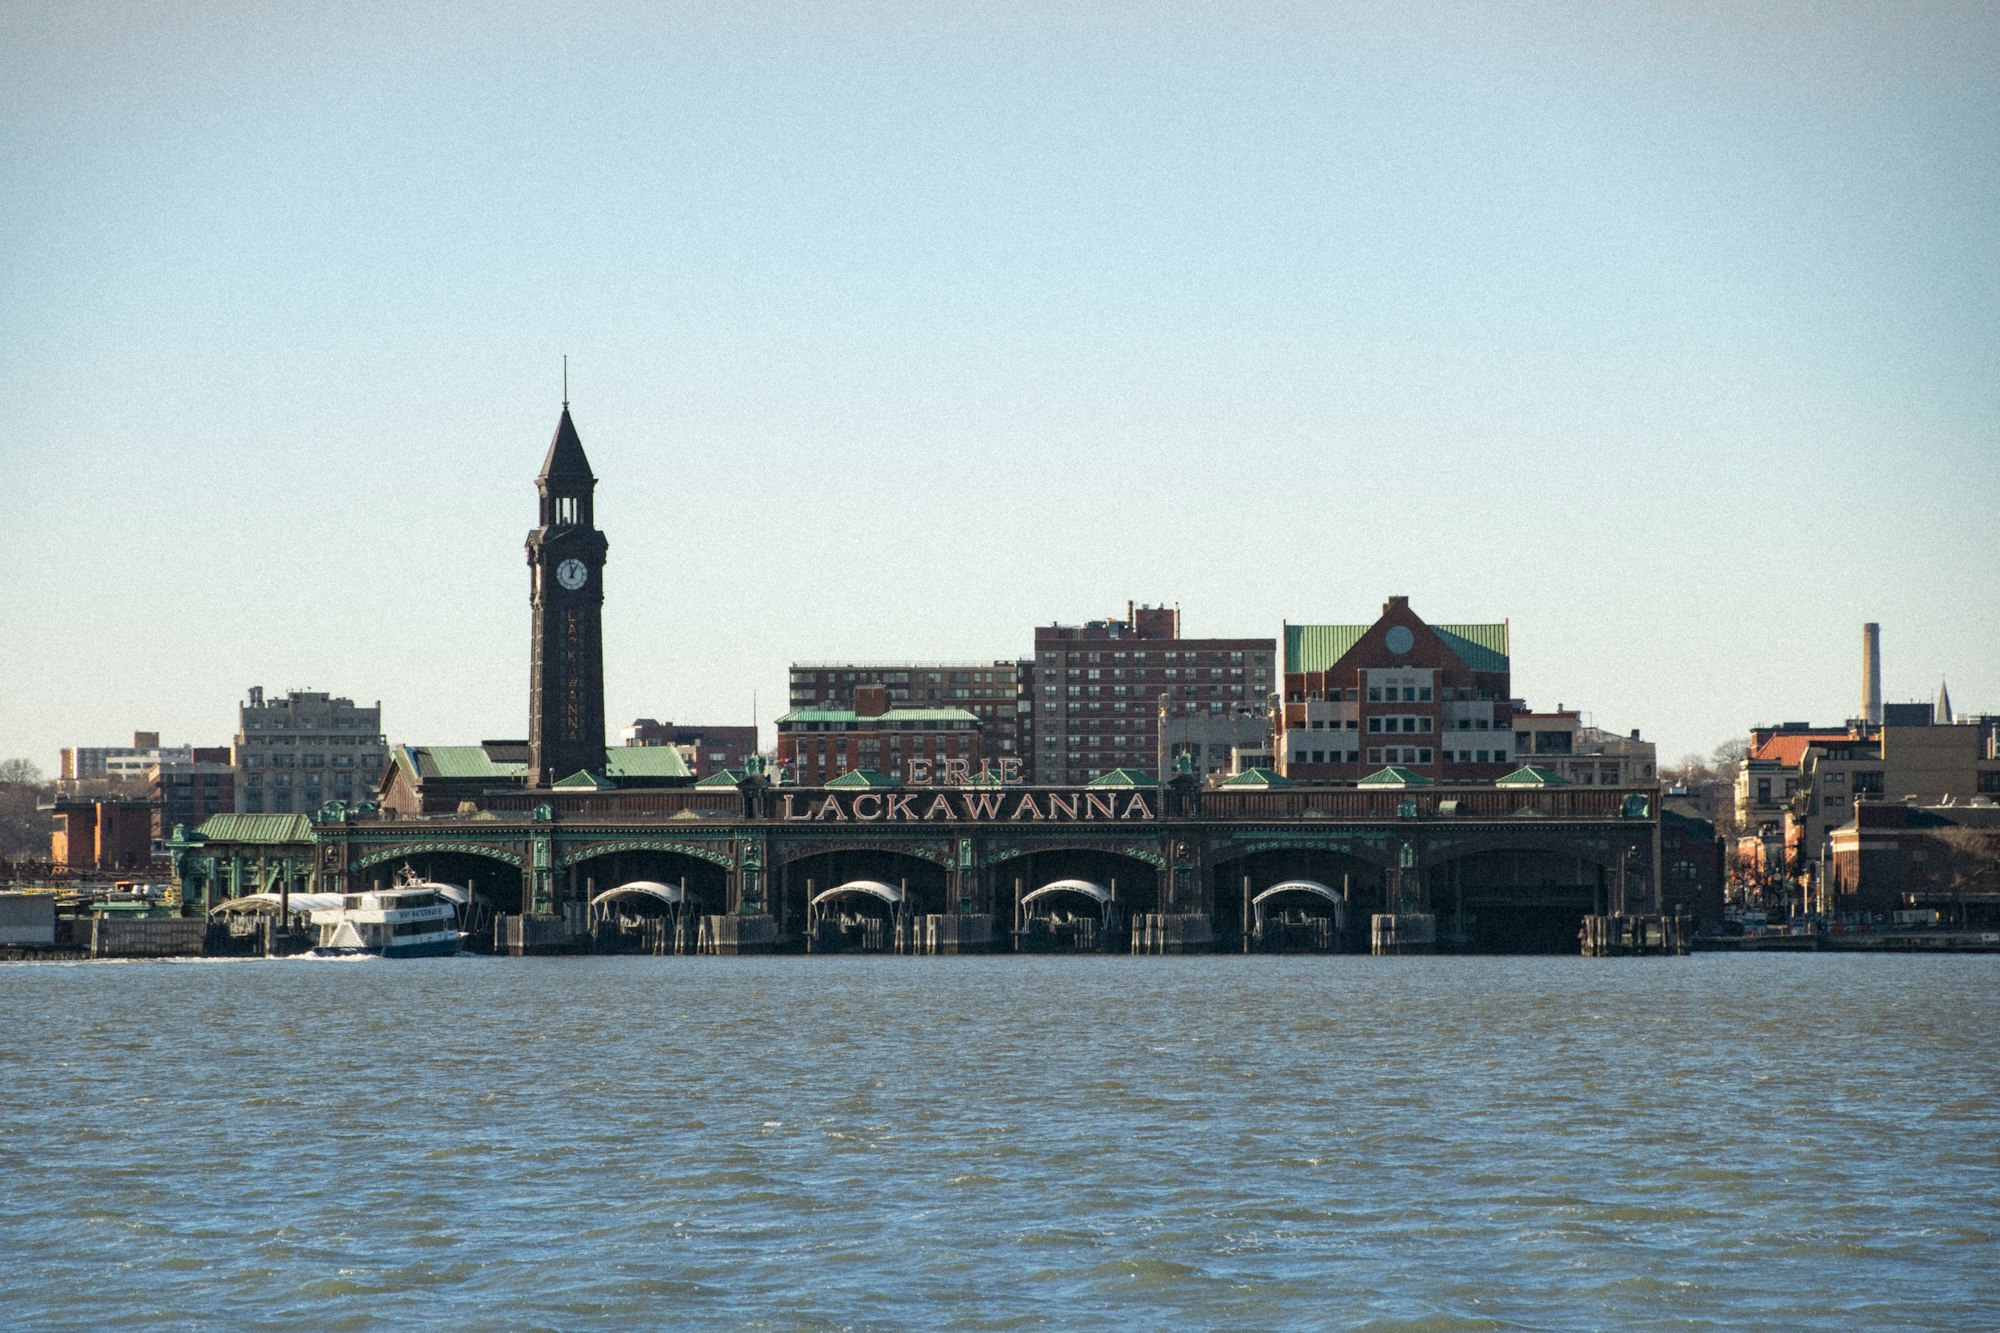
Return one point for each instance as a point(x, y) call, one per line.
point(565, 381)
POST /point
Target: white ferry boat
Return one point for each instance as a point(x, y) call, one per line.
point(409, 920)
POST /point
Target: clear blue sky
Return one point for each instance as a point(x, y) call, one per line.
point(1670, 333)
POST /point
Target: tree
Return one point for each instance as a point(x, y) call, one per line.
point(25, 771)
point(1965, 861)
point(24, 830)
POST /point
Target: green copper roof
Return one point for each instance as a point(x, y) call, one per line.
point(256, 828)
point(1123, 777)
point(1393, 776)
point(722, 777)
point(456, 761)
point(863, 777)
point(645, 761)
point(799, 715)
point(1258, 777)
point(585, 778)
point(1532, 775)
point(1318, 647)
point(1481, 647)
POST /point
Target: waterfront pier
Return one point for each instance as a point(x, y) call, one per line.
point(748, 866)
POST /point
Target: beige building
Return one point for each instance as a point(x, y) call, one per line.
point(294, 754)
point(1799, 785)
point(1586, 755)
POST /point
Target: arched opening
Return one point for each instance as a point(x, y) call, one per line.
point(1515, 900)
point(1297, 916)
point(1065, 916)
point(858, 916)
point(1130, 883)
point(858, 921)
point(1292, 919)
point(642, 921)
point(641, 916)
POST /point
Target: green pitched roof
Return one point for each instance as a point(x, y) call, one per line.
point(456, 761)
point(1393, 776)
point(645, 761)
point(1258, 777)
point(256, 828)
point(722, 777)
point(1318, 647)
point(863, 777)
point(1123, 777)
point(473, 763)
point(1532, 775)
point(798, 715)
point(1481, 647)
point(585, 778)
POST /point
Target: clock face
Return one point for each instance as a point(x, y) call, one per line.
point(572, 574)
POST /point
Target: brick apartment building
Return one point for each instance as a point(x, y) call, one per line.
point(990, 691)
point(188, 792)
point(1434, 698)
point(1096, 690)
point(708, 750)
point(817, 745)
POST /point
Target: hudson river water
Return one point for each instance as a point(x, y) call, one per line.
point(1215, 1143)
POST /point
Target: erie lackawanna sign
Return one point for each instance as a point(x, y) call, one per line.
point(1006, 805)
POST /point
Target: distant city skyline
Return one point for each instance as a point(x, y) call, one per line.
point(1667, 338)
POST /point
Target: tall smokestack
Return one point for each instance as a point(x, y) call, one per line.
point(1871, 673)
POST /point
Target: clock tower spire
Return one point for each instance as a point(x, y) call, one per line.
point(566, 588)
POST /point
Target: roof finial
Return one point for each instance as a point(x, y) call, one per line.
point(565, 381)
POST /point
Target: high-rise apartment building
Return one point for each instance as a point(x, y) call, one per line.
point(1097, 690)
point(296, 753)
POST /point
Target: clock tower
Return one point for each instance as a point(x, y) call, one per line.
point(566, 587)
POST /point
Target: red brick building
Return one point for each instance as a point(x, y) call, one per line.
point(819, 744)
point(991, 691)
point(1902, 856)
point(101, 833)
point(188, 792)
point(1434, 698)
point(1096, 690)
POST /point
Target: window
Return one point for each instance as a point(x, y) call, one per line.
point(1423, 756)
point(1374, 724)
point(1374, 695)
point(1423, 694)
point(1409, 694)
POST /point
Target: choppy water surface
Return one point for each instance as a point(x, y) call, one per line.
point(1434, 1144)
